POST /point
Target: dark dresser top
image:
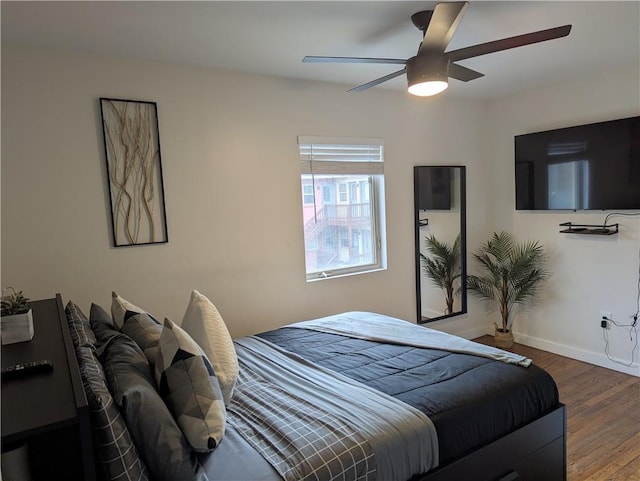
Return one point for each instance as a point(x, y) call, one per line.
point(39, 402)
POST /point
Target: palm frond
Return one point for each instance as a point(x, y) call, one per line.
point(482, 287)
point(512, 273)
point(443, 266)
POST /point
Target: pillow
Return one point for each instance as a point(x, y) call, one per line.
point(153, 428)
point(102, 326)
point(119, 308)
point(188, 384)
point(145, 331)
point(116, 454)
point(81, 332)
point(204, 324)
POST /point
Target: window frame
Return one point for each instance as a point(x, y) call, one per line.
point(375, 198)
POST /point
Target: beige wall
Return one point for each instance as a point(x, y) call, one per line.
point(226, 137)
point(231, 180)
point(590, 274)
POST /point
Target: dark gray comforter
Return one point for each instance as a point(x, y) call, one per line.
point(471, 400)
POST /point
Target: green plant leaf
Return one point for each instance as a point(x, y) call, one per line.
point(13, 302)
point(510, 273)
point(443, 266)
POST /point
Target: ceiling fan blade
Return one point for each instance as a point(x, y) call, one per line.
point(465, 74)
point(378, 81)
point(507, 43)
point(443, 24)
point(316, 59)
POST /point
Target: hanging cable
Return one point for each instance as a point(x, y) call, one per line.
point(637, 313)
point(623, 214)
point(633, 327)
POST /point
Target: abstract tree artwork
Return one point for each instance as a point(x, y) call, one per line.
point(136, 192)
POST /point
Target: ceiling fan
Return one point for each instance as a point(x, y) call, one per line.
point(429, 70)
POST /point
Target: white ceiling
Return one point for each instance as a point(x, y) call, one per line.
point(268, 37)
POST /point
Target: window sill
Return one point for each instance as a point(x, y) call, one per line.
point(346, 274)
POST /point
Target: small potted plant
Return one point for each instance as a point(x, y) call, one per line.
point(512, 274)
point(17, 320)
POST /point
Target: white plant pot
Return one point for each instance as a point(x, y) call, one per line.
point(16, 328)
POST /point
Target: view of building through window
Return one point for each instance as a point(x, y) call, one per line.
point(338, 230)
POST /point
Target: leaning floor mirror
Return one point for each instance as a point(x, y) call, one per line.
point(440, 242)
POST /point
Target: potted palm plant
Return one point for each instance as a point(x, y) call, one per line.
point(512, 274)
point(443, 267)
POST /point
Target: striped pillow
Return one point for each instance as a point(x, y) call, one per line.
point(205, 325)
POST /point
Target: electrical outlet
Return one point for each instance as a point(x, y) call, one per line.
point(606, 317)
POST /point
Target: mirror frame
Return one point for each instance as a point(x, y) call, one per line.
point(463, 243)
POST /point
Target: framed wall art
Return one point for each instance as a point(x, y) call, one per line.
point(134, 172)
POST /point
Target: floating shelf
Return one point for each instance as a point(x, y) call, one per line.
point(589, 229)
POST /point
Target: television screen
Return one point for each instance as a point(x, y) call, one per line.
point(434, 188)
point(594, 166)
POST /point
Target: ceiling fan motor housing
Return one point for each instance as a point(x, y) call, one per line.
point(427, 67)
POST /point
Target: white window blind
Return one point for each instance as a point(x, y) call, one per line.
point(320, 155)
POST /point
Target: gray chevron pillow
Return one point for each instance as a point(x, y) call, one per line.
point(145, 331)
point(189, 387)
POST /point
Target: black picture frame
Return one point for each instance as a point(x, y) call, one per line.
point(134, 172)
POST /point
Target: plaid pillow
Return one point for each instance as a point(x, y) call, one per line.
point(116, 454)
point(189, 387)
point(79, 327)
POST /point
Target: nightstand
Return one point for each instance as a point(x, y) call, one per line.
point(48, 411)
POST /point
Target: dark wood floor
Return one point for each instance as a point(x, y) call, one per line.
point(603, 416)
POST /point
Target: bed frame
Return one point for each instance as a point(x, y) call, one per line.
point(534, 452)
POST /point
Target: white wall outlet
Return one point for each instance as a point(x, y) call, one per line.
point(606, 316)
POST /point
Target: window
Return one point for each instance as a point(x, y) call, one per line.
point(327, 194)
point(342, 193)
point(307, 193)
point(344, 222)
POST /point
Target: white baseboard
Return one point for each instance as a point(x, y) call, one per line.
point(597, 358)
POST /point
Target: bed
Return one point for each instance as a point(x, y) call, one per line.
point(354, 396)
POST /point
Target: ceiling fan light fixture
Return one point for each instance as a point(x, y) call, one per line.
point(427, 75)
point(428, 88)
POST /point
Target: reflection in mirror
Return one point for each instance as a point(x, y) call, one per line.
point(440, 241)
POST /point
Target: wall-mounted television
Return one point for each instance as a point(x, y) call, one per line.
point(586, 167)
point(434, 188)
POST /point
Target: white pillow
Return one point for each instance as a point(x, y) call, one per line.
point(204, 324)
point(119, 307)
